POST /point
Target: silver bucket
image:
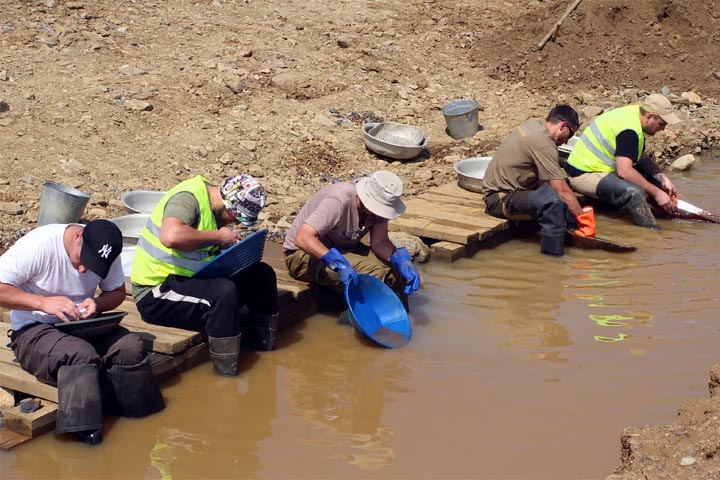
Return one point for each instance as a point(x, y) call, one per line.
point(461, 117)
point(61, 204)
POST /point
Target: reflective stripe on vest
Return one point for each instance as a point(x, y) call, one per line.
point(595, 151)
point(154, 261)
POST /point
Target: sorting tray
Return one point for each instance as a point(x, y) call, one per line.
point(236, 258)
point(103, 323)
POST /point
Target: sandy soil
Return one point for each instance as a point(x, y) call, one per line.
point(117, 96)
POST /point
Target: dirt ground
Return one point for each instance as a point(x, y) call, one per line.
point(115, 96)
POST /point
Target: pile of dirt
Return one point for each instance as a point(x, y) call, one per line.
point(113, 96)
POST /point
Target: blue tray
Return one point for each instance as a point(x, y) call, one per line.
point(377, 313)
point(236, 258)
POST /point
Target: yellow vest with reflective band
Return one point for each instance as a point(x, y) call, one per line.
point(595, 150)
point(154, 261)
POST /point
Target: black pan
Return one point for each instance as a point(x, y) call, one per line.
point(581, 241)
point(103, 323)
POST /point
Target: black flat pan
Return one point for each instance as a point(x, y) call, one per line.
point(581, 241)
point(103, 323)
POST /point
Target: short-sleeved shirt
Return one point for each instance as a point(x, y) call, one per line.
point(526, 157)
point(334, 215)
point(39, 264)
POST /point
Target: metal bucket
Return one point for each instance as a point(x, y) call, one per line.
point(461, 117)
point(61, 204)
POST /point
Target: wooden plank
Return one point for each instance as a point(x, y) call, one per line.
point(453, 190)
point(10, 439)
point(448, 251)
point(432, 228)
point(12, 376)
point(433, 196)
point(467, 217)
point(166, 366)
point(34, 423)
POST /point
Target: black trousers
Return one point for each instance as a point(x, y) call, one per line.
point(543, 205)
point(42, 349)
point(212, 304)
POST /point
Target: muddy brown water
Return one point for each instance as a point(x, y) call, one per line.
point(520, 366)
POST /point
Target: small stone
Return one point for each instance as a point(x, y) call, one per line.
point(97, 213)
point(4, 77)
point(692, 97)
point(227, 158)
point(128, 70)
point(343, 42)
point(248, 145)
point(4, 107)
point(686, 461)
point(236, 85)
point(11, 208)
point(29, 405)
point(138, 105)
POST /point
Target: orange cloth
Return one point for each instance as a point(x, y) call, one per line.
point(586, 222)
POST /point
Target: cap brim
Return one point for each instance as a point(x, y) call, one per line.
point(90, 262)
point(671, 118)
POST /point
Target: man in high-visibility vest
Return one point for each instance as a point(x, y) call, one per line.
point(608, 161)
point(524, 180)
point(187, 229)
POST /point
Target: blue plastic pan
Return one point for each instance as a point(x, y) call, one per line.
point(377, 313)
point(236, 258)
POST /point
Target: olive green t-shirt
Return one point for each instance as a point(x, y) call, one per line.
point(526, 157)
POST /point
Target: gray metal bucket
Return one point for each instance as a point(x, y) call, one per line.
point(461, 117)
point(61, 204)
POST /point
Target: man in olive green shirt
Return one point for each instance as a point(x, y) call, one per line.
point(525, 181)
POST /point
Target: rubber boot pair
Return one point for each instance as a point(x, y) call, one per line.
point(628, 196)
point(260, 332)
point(136, 389)
point(224, 354)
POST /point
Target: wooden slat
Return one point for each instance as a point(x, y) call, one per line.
point(466, 217)
point(447, 251)
point(12, 376)
point(34, 423)
point(432, 228)
point(156, 338)
point(10, 439)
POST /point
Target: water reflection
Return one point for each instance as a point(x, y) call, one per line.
point(343, 397)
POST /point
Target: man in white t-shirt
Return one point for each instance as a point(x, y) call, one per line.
point(51, 276)
point(323, 245)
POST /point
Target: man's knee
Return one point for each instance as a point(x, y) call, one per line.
point(128, 350)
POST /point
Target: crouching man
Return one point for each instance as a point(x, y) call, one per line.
point(50, 276)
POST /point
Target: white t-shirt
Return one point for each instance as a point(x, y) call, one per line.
point(39, 264)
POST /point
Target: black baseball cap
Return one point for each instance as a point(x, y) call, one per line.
point(102, 243)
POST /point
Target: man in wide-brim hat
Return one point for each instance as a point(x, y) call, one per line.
point(323, 245)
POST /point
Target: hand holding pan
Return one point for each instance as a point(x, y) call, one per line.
point(581, 241)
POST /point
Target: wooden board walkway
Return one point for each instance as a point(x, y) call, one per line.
point(451, 216)
point(171, 350)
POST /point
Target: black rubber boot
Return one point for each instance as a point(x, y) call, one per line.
point(224, 354)
point(627, 196)
point(80, 403)
point(552, 244)
point(261, 332)
point(136, 389)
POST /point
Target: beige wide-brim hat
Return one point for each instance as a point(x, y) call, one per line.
point(380, 193)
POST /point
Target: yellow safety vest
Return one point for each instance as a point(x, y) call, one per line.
point(595, 151)
point(154, 261)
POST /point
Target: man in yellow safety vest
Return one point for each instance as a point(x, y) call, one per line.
point(608, 161)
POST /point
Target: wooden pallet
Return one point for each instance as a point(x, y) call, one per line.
point(451, 216)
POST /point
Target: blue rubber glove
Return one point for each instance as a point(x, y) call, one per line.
point(335, 261)
point(403, 261)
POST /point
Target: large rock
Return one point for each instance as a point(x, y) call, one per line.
point(417, 249)
point(683, 163)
